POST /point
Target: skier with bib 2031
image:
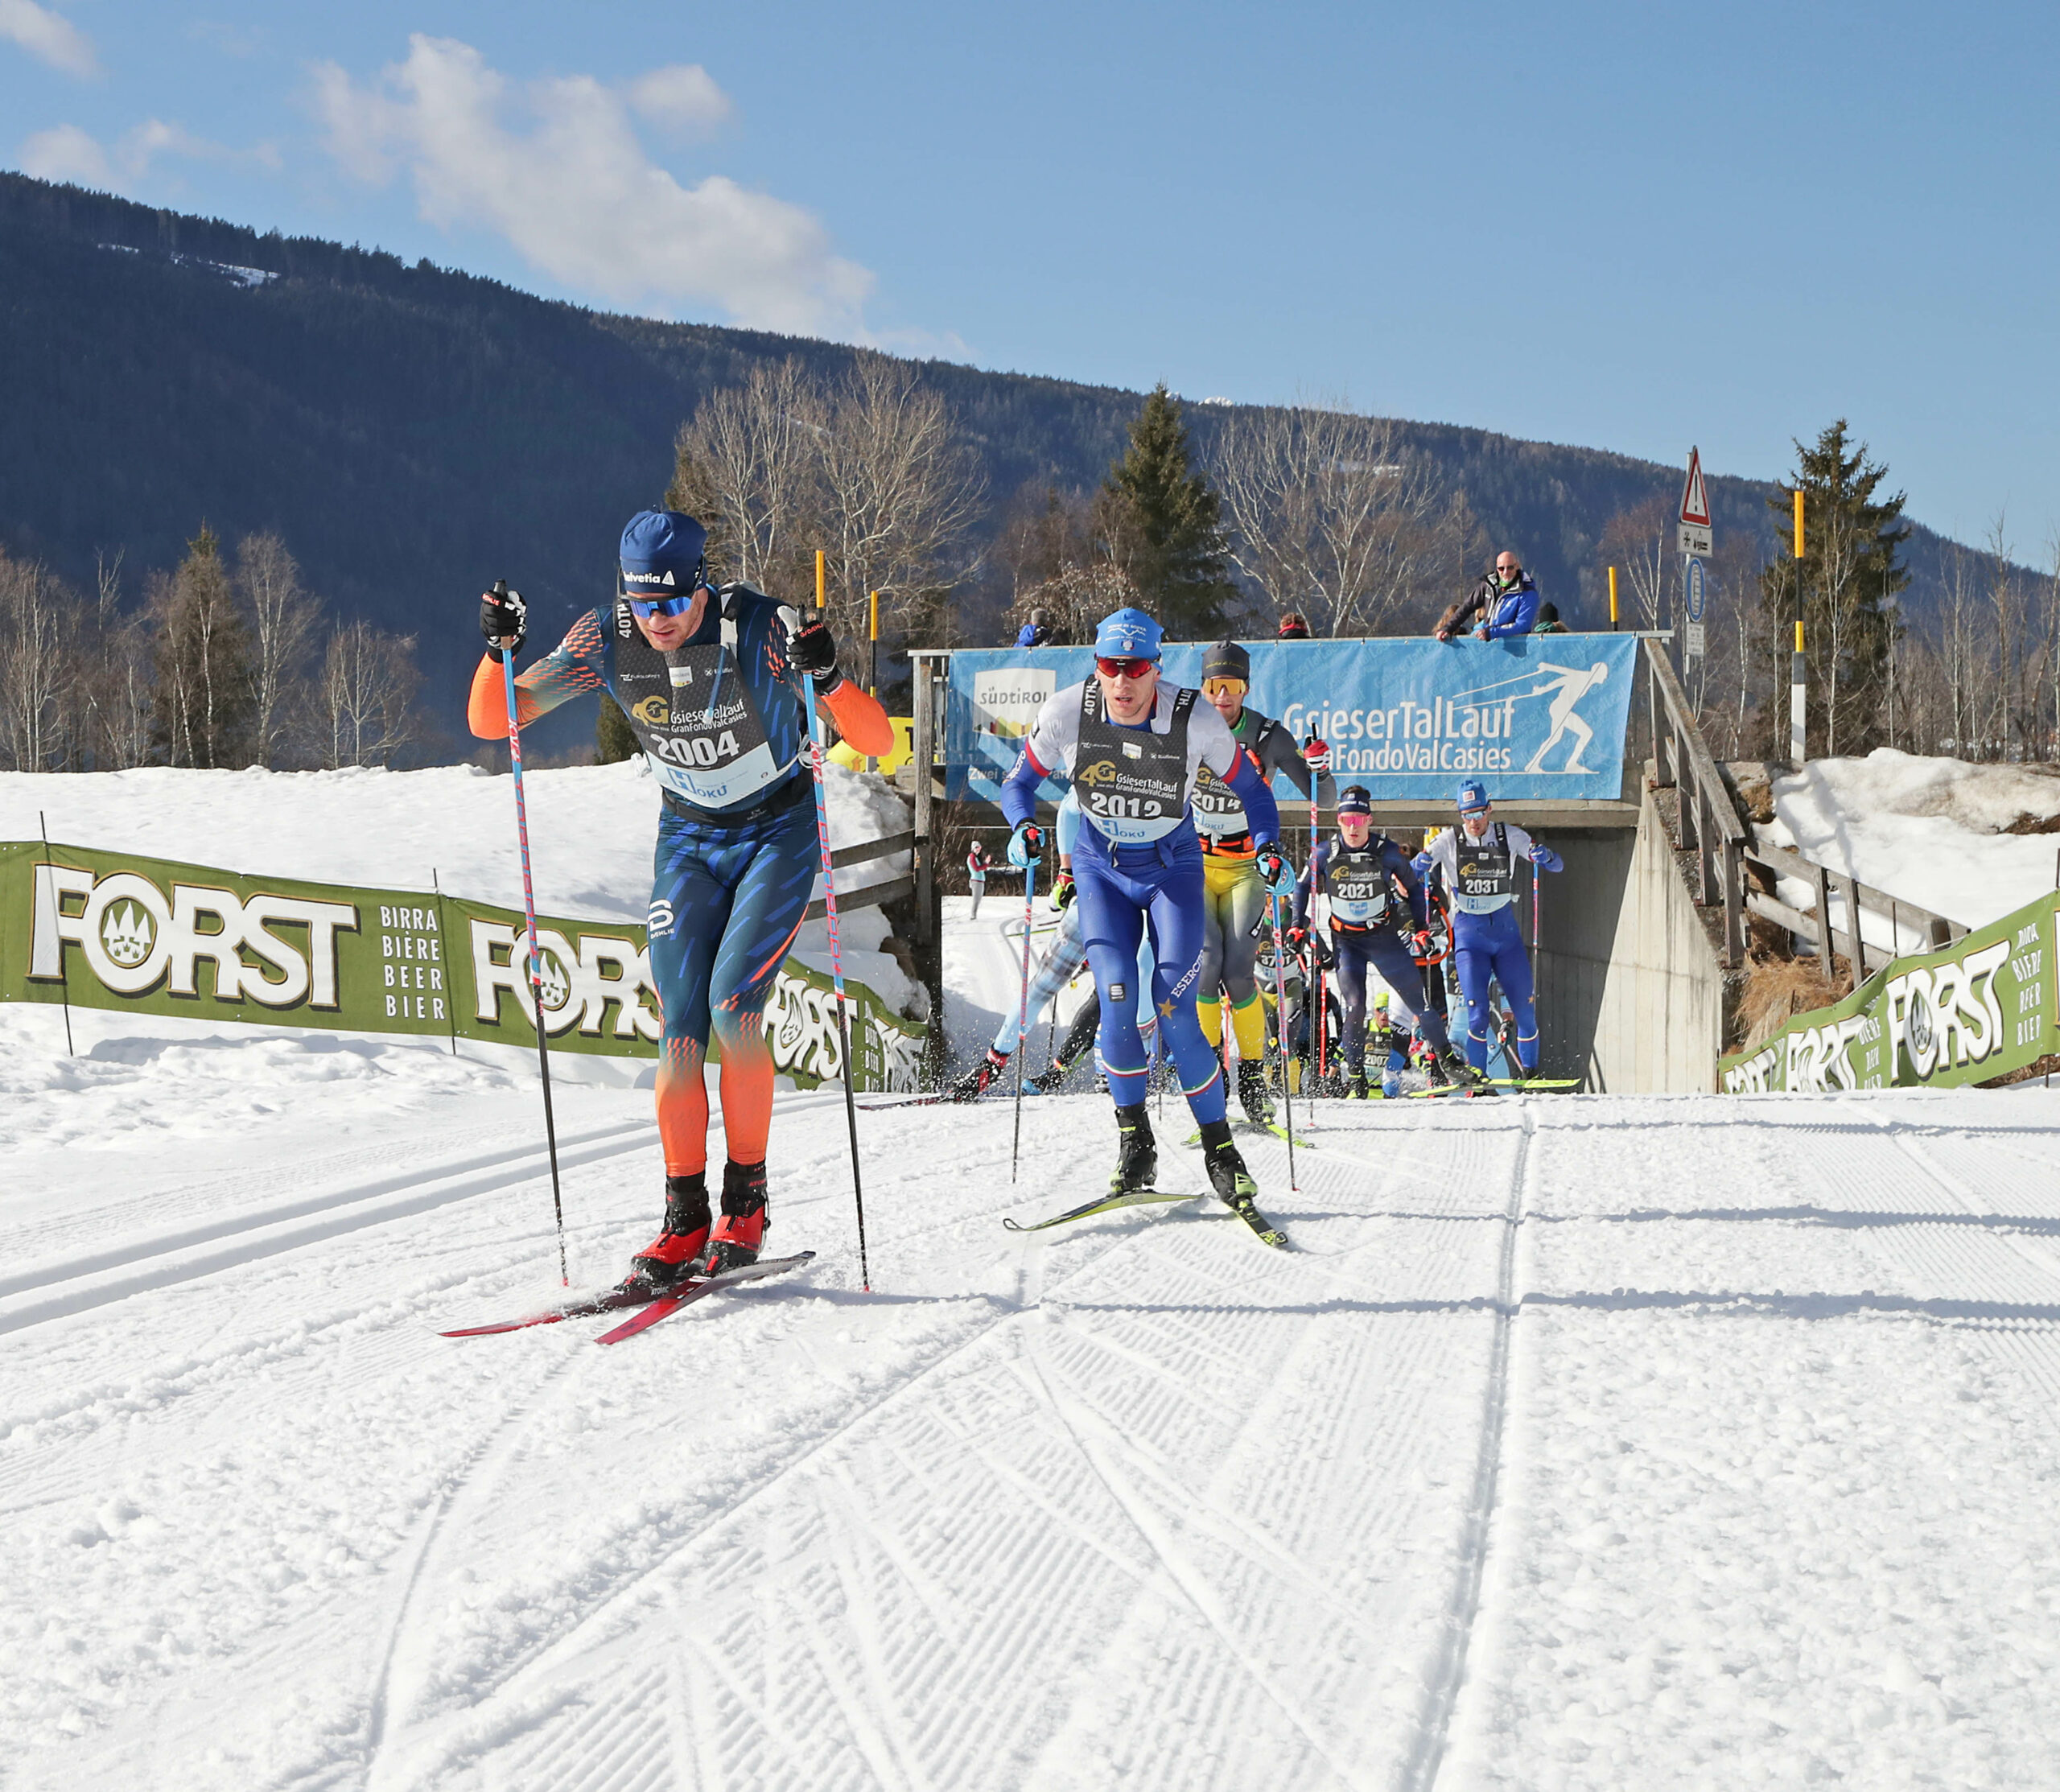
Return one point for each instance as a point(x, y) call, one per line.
point(1478, 860)
point(1133, 745)
point(1370, 930)
point(711, 682)
point(1234, 894)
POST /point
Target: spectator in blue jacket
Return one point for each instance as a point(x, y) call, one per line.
point(1505, 601)
point(1037, 631)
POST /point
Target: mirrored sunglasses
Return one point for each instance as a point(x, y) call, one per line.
point(1123, 669)
point(1223, 687)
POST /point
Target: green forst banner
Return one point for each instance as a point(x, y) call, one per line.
point(1977, 1009)
point(112, 930)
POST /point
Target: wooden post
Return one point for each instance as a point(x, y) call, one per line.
point(1849, 888)
point(1826, 945)
point(1734, 904)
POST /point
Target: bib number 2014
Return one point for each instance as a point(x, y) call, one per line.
point(1135, 808)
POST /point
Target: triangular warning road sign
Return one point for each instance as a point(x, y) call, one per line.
point(1694, 501)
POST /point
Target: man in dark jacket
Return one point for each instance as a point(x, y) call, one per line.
point(1505, 600)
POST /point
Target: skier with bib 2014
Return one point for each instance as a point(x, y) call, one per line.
point(711, 682)
point(1234, 894)
point(1133, 746)
point(1478, 860)
point(1370, 930)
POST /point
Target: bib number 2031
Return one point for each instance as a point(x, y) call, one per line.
point(1135, 808)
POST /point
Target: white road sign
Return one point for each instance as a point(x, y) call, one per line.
point(1698, 590)
point(1694, 539)
point(1694, 645)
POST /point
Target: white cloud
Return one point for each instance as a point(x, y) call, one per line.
point(683, 100)
point(67, 153)
point(42, 33)
point(576, 195)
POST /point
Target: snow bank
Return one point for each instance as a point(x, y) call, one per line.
point(1927, 830)
point(592, 833)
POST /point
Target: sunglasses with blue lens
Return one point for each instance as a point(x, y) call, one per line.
point(661, 607)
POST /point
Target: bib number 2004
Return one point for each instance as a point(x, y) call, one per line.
point(712, 752)
point(1135, 808)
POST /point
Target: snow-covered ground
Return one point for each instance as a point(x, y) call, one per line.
point(1624, 1442)
point(1927, 831)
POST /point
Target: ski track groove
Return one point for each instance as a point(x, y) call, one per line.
point(1447, 1675)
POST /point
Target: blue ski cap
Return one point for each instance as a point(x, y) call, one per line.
point(1473, 797)
point(1355, 799)
point(664, 553)
point(1128, 634)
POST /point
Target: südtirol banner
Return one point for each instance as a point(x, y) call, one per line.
point(1978, 1009)
point(1537, 716)
point(113, 930)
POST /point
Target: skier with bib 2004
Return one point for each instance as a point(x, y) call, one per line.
point(1478, 860)
point(1370, 930)
point(711, 682)
point(1134, 746)
point(1234, 894)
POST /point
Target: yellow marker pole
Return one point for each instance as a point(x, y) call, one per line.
point(1798, 667)
point(1612, 600)
point(821, 580)
point(872, 636)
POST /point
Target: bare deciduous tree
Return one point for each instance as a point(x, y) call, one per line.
point(368, 683)
point(756, 449)
point(283, 623)
point(34, 669)
point(1641, 541)
point(1329, 512)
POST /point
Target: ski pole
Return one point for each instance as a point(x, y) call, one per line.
point(1280, 1008)
point(536, 952)
point(1322, 1022)
point(1022, 1014)
point(1534, 950)
point(836, 962)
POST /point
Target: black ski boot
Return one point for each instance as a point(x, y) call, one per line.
point(740, 1231)
point(1462, 1075)
point(1253, 1095)
point(1047, 1081)
point(974, 1084)
point(670, 1258)
point(1355, 1086)
point(1233, 1182)
point(1137, 1160)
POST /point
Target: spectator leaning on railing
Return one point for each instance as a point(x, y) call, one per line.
point(1505, 600)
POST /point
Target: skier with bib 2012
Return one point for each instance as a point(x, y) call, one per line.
point(1234, 894)
point(1371, 931)
point(1133, 746)
point(711, 682)
point(1478, 860)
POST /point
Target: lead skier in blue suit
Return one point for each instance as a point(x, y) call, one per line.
point(1133, 747)
point(1479, 858)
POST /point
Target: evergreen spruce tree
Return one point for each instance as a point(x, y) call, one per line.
point(205, 705)
point(1163, 525)
point(1850, 570)
point(613, 739)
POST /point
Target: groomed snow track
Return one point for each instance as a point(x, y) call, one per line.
point(1638, 1442)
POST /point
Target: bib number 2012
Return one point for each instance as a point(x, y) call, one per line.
point(1135, 808)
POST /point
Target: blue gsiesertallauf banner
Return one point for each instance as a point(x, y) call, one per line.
point(1537, 716)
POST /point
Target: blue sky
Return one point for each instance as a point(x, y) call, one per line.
point(1631, 227)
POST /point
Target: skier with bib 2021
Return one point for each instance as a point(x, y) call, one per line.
point(1371, 931)
point(1133, 746)
point(711, 682)
point(1234, 894)
point(1478, 860)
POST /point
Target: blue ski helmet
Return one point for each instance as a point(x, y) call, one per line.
point(663, 555)
point(1128, 634)
point(1473, 797)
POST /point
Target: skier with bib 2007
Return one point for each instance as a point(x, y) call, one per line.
point(1234, 894)
point(711, 682)
point(1478, 860)
point(1370, 930)
point(1133, 746)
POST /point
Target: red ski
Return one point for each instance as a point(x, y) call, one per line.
point(631, 1293)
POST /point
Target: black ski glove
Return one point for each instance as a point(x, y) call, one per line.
point(813, 650)
point(504, 619)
